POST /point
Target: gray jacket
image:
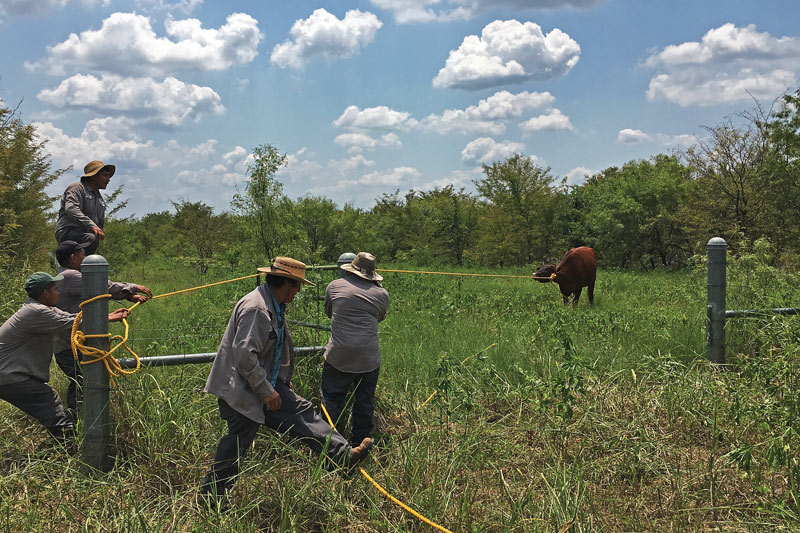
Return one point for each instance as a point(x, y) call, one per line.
point(26, 341)
point(246, 356)
point(81, 207)
point(70, 298)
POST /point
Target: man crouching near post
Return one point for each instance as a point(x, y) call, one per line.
point(251, 375)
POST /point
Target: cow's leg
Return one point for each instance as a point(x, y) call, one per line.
point(577, 295)
point(565, 296)
point(590, 293)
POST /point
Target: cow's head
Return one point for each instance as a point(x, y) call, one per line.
point(545, 271)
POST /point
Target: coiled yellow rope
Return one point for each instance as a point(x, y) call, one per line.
point(77, 339)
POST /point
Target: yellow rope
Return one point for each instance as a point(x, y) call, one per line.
point(382, 490)
point(550, 277)
point(201, 287)
point(78, 338)
point(401, 504)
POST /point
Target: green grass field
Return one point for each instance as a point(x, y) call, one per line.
point(546, 418)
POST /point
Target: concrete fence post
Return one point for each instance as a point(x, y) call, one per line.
point(96, 418)
point(717, 250)
point(343, 260)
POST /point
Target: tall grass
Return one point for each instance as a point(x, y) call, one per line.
point(545, 417)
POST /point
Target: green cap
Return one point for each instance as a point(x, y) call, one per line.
point(39, 281)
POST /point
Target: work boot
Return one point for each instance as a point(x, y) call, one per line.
point(358, 453)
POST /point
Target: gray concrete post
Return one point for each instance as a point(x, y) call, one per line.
point(96, 418)
point(717, 250)
point(343, 260)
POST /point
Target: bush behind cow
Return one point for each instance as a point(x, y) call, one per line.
point(577, 269)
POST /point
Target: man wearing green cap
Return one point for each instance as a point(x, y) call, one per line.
point(83, 210)
point(26, 349)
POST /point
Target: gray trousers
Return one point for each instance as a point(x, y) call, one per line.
point(296, 416)
point(72, 368)
point(335, 388)
point(41, 401)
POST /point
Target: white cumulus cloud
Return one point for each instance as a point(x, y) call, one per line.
point(126, 44)
point(380, 117)
point(487, 150)
point(409, 11)
point(488, 115)
point(578, 175)
point(170, 102)
point(553, 120)
point(632, 136)
point(358, 142)
point(728, 64)
point(324, 35)
point(508, 52)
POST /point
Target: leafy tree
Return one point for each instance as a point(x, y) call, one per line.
point(25, 207)
point(201, 231)
point(263, 205)
point(518, 224)
point(780, 178)
point(454, 218)
point(628, 213)
point(727, 167)
point(315, 216)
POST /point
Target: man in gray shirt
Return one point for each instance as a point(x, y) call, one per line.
point(26, 349)
point(70, 256)
point(355, 304)
point(251, 376)
point(82, 214)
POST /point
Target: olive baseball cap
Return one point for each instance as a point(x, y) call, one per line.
point(39, 281)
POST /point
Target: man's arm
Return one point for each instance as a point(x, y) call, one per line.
point(252, 333)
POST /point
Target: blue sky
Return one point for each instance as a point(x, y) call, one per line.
point(366, 97)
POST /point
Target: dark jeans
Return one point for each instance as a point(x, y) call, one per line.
point(80, 235)
point(72, 368)
point(335, 388)
point(41, 401)
point(296, 416)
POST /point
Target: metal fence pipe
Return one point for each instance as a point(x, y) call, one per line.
point(198, 358)
point(715, 297)
point(736, 313)
point(96, 418)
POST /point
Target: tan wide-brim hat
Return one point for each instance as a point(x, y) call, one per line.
point(93, 167)
point(364, 266)
point(287, 268)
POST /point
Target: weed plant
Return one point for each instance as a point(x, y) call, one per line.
point(544, 417)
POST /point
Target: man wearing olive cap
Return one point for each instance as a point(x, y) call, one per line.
point(83, 210)
point(26, 349)
point(251, 376)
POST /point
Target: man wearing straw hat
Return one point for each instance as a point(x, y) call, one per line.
point(355, 304)
point(26, 349)
point(83, 210)
point(251, 376)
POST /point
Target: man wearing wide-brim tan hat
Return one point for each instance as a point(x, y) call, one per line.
point(251, 377)
point(82, 214)
point(355, 304)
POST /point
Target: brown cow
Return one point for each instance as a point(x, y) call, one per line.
point(577, 269)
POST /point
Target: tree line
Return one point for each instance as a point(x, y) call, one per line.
point(740, 181)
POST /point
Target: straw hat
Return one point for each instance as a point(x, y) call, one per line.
point(364, 266)
point(93, 167)
point(288, 268)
